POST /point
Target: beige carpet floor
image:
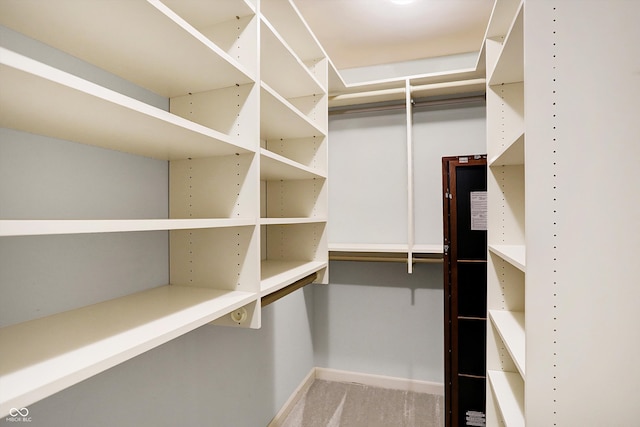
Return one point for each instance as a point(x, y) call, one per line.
point(336, 404)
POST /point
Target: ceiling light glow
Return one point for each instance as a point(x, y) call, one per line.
point(402, 2)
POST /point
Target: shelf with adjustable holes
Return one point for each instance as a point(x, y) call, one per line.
point(506, 237)
point(247, 167)
point(293, 153)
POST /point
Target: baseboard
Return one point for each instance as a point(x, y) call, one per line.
point(382, 381)
point(336, 375)
point(297, 394)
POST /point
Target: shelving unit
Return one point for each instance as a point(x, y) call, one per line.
point(506, 234)
point(246, 141)
point(293, 140)
point(561, 184)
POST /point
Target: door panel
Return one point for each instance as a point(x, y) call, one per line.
point(465, 270)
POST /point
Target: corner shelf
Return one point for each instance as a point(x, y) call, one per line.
point(104, 335)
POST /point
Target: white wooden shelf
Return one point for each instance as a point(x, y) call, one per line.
point(514, 254)
point(502, 17)
point(276, 167)
point(369, 247)
point(510, 64)
point(511, 328)
point(64, 106)
point(169, 56)
point(52, 227)
point(61, 350)
point(281, 119)
point(513, 154)
point(384, 248)
point(507, 103)
point(276, 275)
point(508, 389)
point(284, 71)
point(427, 249)
point(284, 16)
point(291, 221)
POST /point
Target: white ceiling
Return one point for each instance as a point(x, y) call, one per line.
point(359, 33)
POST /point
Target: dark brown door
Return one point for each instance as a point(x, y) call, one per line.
point(465, 288)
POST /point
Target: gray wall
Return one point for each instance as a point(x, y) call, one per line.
point(378, 319)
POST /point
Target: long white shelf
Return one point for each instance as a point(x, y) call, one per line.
point(284, 16)
point(151, 46)
point(284, 71)
point(71, 226)
point(511, 328)
point(508, 389)
point(291, 221)
point(385, 247)
point(369, 247)
point(427, 249)
point(512, 154)
point(513, 254)
point(275, 167)
point(510, 64)
point(64, 106)
point(281, 119)
point(43, 356)
point(276, 275)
